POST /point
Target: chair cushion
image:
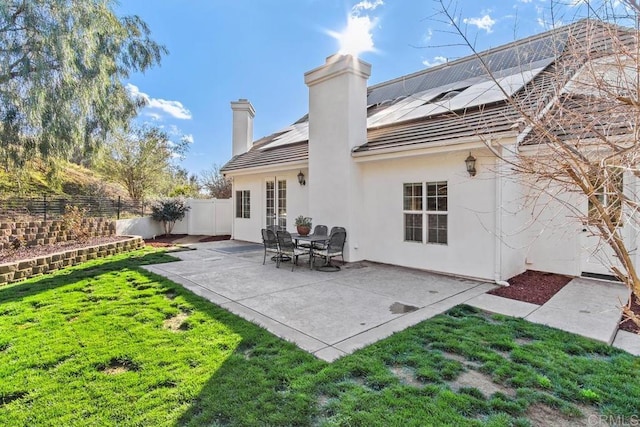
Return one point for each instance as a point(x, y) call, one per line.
point(324, 252)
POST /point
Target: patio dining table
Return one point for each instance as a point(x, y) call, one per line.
point(312, 239)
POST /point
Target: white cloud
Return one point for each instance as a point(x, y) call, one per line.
point(188, 138)
point(484, 23)
point(437, 60)
point(367, 5)
point(157, 106)
point(357, 37)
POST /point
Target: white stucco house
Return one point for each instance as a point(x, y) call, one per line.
point(387, 162)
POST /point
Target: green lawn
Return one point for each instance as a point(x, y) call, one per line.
point(108, 343)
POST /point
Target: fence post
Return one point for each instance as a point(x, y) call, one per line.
point(119, 205)
point(44, 196)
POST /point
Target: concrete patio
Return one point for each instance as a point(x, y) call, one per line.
point(331, 314)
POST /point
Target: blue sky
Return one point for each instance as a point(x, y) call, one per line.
point(222, 50)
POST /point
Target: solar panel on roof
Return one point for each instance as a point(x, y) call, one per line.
point(521, 56)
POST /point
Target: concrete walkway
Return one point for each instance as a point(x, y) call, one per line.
point(586, 307)
point(331, 314)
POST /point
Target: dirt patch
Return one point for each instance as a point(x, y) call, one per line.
point(10, 397)
point(534, 287)
point(118, 366)
point(176, 322)
point(523, 341)
point(627, 324)
point(461, 359)
point(406, 376)
point(480, 381)
point(170, 295)
point(542, 415)
point(10, 255)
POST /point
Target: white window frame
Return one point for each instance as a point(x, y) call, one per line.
point(279, 189)
point(422, 208)
point(244, 203)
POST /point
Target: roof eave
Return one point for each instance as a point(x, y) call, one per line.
point(266, 168)
point(435, 148)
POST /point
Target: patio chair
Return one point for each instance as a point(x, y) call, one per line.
point(318, 230)
point(270, 242)
point(334, 229)
point(334, 247)
point(275, 228)
point(288, 248)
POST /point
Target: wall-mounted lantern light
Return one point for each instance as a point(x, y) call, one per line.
point(301, 180)
point(471, 165)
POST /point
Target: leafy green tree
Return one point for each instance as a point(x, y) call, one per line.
point(142, 160)
point(183, 184)
point(62, 63)
point(168, 211)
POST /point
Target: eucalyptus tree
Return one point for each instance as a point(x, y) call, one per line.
point(62, 66)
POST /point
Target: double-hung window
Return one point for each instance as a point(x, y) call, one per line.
point(243, 204)
point(425, 210)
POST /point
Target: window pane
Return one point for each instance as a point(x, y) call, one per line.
point(413, 197)
point(270, 205)
point(437, 228)
point(282, 203)
point(413, 227)
point(246, 204)
point(437, 196)
point(238, 204)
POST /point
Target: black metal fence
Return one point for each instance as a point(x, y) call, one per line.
point(50, 207)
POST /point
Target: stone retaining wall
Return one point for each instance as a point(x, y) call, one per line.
point(33, 233)
point(20, 270)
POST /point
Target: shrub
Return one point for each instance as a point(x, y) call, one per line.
point(168, 211)
point(75, 224)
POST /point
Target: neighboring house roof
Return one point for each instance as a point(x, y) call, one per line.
point(451, 101)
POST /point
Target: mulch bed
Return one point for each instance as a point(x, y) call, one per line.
point(627, 324)
point(216, 238)
point(168, 240)
point(10, 255)
point(164, 241)
point(535, 287)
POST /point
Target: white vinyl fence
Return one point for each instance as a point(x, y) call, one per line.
point(210, 217)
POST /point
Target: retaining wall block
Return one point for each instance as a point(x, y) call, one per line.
point(26, 264)
point(8, 268)
point(6, 277)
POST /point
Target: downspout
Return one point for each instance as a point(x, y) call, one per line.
point(497, 272)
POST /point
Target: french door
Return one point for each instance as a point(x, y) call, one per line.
point(276, 202)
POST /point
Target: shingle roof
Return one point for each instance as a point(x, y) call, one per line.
point(405, 112)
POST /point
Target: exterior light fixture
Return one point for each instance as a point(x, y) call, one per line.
point(469, 161)
point(301, 180)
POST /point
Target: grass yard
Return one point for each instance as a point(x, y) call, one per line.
point(107, 343)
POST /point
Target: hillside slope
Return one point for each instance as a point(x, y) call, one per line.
point(70, 179)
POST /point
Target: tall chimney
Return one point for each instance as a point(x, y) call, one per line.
point(337, 124)
point(242, 133)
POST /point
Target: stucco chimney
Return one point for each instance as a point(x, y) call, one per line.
point(337, 124)
point(242, 133)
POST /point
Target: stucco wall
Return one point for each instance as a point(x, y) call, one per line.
point(471, 243)
point(248, 229)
